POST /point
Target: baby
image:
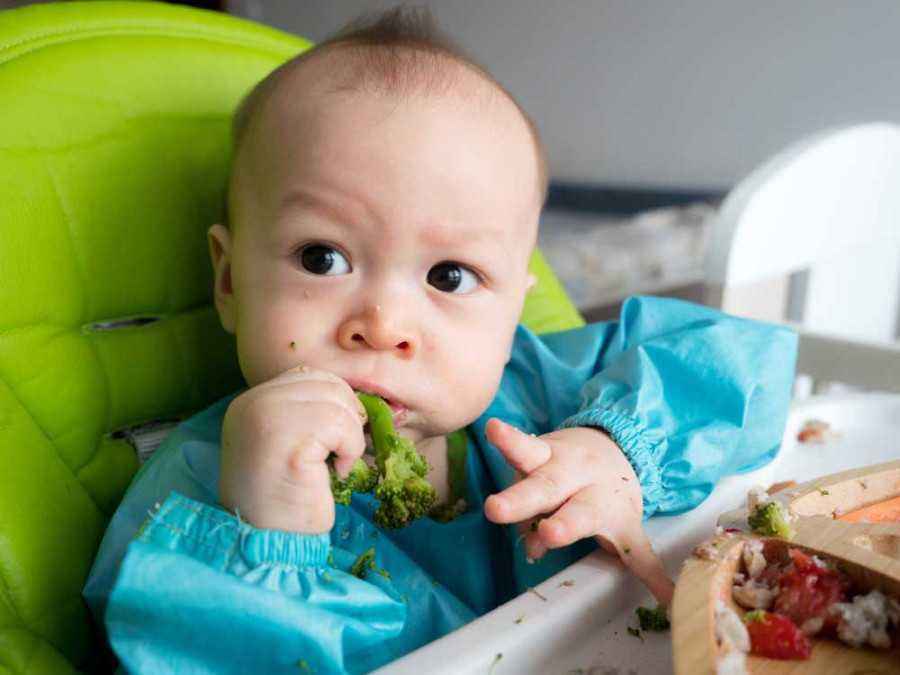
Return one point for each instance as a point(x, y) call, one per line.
point(383, 208)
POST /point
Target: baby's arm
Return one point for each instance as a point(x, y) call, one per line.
point(582, 478)
point(199, 590)
point(203, 590)
point(688, 394)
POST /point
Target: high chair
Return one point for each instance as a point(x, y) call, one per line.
point(827, 206)
point(114, 151)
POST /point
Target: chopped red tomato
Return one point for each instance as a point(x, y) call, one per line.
point(776, 636)
point(808, 590)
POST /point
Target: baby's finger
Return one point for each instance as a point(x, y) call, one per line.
point(637, 553)
point(540, 492)
point(338, 432)
point(329, 386)
point(578, 518)
point(523, 451)
point(349, 449)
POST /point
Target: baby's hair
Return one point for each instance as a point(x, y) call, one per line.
point(398, 51)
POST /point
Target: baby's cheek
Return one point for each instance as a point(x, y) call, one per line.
point(269, 347)
point(480, 378)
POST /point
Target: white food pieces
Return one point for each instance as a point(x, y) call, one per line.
point(754, 595)
point(812, 626)
point(730, 630)
point(754, 560)
point(733, 663)
point(866, 619)
point(756, 496)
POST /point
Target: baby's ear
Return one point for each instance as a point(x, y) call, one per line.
point(219, 239)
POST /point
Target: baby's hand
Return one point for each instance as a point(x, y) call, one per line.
point(583, 479)
point(276, 437)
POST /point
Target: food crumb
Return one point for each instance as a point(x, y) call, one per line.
point(537, 593)
point(706, 551)
point(653, 619)
point(495, 662)
point(824, 492)
point(636, 633)
point(293, 345)
point(815, 431)
point(364, 563)
point(627, 550)
point(519, 619)
point(568, 583)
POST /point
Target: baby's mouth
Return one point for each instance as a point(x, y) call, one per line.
point(399, 416)
point(398, 409)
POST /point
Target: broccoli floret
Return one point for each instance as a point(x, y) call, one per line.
point(362, 478)
point(770, 520)
point(402, 490)
point(653, 619)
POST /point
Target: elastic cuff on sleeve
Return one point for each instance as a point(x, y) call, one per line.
point(218, 536)
point(637, 443)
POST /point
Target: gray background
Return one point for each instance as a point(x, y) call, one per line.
point(687, 94)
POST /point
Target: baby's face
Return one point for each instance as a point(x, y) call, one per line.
point(386, 240)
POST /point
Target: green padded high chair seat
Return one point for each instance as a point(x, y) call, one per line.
point(114, 151)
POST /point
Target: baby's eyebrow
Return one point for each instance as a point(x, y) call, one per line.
point(334, 210)
point(438, 235)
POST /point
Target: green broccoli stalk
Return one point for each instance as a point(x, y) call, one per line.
point(770, 520)
point(402, 490)
point(457, 449)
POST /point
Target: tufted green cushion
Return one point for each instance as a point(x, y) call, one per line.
point(114, 146)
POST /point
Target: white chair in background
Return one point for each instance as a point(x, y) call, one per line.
point(828, 206)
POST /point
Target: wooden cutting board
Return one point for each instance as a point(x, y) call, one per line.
point(869, 552)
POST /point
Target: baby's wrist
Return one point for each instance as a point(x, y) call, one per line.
point(266, 513)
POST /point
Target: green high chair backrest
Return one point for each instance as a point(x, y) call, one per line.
point(114, 151)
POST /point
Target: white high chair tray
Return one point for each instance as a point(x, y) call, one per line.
point(581, 627)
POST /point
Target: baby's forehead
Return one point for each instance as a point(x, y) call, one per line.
point(304, 98)
point(317, 82)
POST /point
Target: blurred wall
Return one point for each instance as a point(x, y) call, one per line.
point(690, 94)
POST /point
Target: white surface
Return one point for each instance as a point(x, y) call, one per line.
point(830, 205)
point(583, 626)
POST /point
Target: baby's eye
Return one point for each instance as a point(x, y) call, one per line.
point(322, 259)
point(453, 278)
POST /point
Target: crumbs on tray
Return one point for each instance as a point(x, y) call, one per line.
point(816, 431)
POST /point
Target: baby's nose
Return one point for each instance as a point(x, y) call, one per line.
point(375, 329)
